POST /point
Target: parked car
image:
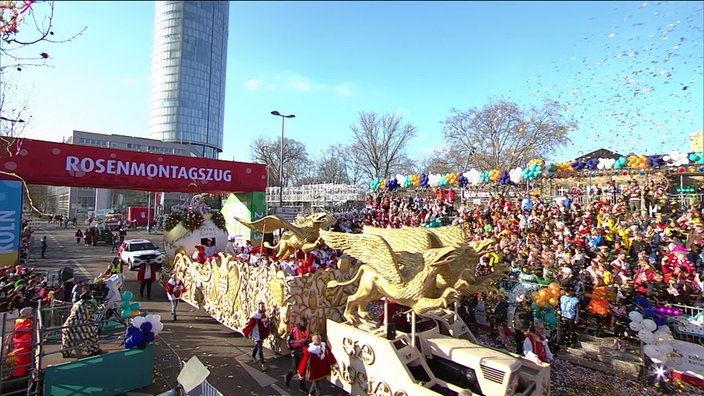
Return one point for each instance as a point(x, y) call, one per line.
point(135, 252)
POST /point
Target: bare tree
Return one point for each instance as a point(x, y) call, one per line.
point(38, 17)
point(504, 136)
point(332, 165)
point(268, 151)
point(15, 16)
point(441, 160)
point(379, 143)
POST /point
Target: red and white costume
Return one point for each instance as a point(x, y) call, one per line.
point(317, 362)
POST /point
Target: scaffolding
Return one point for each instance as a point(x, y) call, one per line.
point(329, 197)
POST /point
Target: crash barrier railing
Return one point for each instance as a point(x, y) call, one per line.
point(17, 368)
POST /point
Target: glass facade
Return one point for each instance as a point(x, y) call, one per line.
point(189, 60)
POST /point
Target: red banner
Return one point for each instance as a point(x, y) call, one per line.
point(73, 165)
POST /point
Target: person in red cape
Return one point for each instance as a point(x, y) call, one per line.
point(22, 342)
point(535, 346)
point(317, 363)
point(258, 328)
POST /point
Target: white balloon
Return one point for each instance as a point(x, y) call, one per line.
point(157, 328)
point(400, 179)
point(635, 316)
point(651, 351)
point(137, 321)
point(663, 329)
point(666, 348)
point(649, 325)
point(635, 326)
point(646, 336)
point(151, 319)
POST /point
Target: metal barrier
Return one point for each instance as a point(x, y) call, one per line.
point(10, 383)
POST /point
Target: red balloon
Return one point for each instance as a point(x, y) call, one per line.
point(625, 173)
point(680, 170)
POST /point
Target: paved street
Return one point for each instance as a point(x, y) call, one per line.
point(222, 350)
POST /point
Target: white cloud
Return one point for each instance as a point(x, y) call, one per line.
point(299, 83)
point(253, 84)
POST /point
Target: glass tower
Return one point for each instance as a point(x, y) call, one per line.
point(189, 59)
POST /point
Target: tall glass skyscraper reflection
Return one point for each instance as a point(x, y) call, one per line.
point(189, 61)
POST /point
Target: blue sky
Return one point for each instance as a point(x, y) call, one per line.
point(621, 67)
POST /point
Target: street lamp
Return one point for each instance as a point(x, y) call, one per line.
point(281, 157)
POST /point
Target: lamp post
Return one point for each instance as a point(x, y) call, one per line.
point(281, 156)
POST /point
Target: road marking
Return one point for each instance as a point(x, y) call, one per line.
point(263, 380)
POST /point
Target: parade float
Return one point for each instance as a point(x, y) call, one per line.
point(424, 269)
point(229, 288)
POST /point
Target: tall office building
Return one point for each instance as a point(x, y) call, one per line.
point(189, 60)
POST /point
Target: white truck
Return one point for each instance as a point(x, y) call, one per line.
point(442, 359)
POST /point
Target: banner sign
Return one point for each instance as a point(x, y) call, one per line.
point(11, 192)
point(73, 165)
point(251, 207)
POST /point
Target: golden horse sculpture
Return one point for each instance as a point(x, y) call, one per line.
point(303, 234)
point(424, 269)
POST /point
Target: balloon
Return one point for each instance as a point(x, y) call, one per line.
point(137, 321)
point(554, 286)
point(666, 348)
point(651, 351)
point(125, 305)
point(142, 344)
point(649, 324)
point(543, 293)
point(635, 326)
point(646, 336)
point(635, 316)
point(129, 343)
point(127, 295)
point(146, 327)
point(137, 337)
point(131, 330)
point(535, 296)
point(135, 306)
point(149, 337)
point(553, 301)
point(125, 313)
point(157, 328)
point(541, 303)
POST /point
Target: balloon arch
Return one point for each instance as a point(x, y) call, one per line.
point(674, 161)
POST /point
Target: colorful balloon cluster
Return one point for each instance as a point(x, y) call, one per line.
point(697, 157)
point(128, 308)
point(538, 168)
point(534, 169)
point(547, 295)
point(143, 330)
point(545, 301)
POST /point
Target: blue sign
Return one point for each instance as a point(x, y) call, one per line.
point(11, 192)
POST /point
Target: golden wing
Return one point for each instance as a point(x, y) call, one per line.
point(482, 247)
point(372, 250)
point(410, 239)
point(450, 235)
point(269, 224)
